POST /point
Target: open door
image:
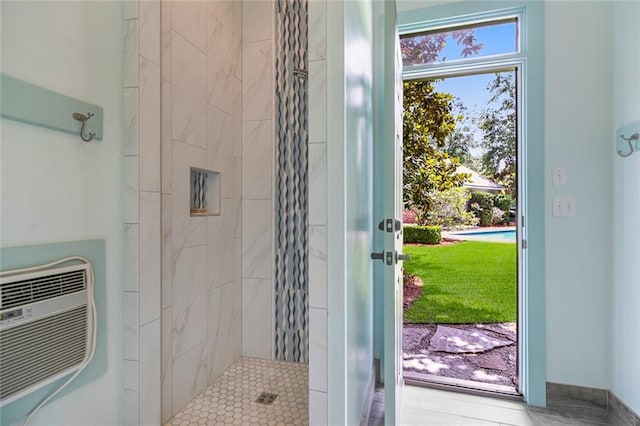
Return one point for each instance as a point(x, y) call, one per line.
point(390, 224)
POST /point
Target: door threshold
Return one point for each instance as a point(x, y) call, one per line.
point(465, 386)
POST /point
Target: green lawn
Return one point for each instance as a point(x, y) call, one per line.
point(468, 282)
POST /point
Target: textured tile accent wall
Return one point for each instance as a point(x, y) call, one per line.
point(291, 185)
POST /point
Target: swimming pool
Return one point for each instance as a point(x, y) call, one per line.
point(492, 235)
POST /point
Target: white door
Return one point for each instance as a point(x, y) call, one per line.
point(391, 223)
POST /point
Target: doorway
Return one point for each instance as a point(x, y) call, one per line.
point(462, 197)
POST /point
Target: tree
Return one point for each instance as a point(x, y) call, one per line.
point(459, 143)
point(427, 168)
point(450, 209)
point(428, 122)
point(498, 125)
point(426, 48)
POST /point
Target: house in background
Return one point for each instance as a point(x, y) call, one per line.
point(56, 188)
point(478, 183)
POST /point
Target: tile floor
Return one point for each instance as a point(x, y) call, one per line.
point(231, 399)
point(423, 406)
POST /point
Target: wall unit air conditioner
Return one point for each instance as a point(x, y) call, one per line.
point(43, 328)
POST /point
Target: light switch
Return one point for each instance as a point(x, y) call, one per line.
point(559, 176)
point(558, 207)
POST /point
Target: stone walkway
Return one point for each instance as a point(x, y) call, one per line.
point(483, 353)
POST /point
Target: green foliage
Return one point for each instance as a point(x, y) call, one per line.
point(427, 169)
point(498, 125)
point(432, 147)
point(426, 48)
point(461, 141)
point(450, 209)
point(422, 234)
point(491, 209)
point(482, 205)
point(469, 282)
point(503, 201)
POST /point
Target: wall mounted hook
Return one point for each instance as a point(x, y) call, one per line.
point(84, 118)
point(635, 137)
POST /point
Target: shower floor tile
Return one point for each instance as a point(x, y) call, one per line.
point(231, 398)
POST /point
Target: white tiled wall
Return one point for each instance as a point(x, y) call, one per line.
point(201, 127)
point(257, 179)
point(149, 236)
point(141, 205)
point(318, 409)
point(182, 275)
point(149, 373)
point(199, 91)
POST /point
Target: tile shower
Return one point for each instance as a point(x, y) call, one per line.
point(221, 93)
point(201, 134)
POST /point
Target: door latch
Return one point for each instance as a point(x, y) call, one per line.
point(385, 256)
point(377, 256)
point(403, 257)
point(390, 225)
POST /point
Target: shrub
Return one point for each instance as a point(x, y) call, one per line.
point(450, 209)
point(422, 234)
point(504, 202)
point(481, 204)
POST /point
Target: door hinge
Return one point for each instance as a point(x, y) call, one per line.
point(524, 244)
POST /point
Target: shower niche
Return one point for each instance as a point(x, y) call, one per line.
point(204, 192)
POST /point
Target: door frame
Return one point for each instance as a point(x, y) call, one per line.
point(517, 66)
point(530, 62)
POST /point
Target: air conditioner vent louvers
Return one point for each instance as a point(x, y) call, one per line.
point(33, 290)
point(35, 350)
point(45, 322)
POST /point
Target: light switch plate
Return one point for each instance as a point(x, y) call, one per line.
point(558, 207)
point(563, 207)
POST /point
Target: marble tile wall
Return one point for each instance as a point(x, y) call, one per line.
point(318, 408)
point(258, 88)
point(141, 204)
point(201, 127)
point(198, 91)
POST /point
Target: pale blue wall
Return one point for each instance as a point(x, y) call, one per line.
point(54, 187)
point(349, 157)
point(578, 137)
point(625, 311)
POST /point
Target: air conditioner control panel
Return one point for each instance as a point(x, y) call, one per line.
point(9, 316)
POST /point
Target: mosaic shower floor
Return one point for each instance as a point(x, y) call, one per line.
point(231, 398)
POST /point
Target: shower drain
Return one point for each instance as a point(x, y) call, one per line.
point(266, 398)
